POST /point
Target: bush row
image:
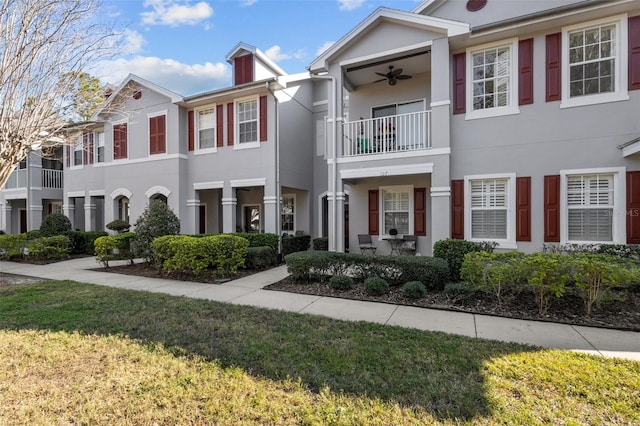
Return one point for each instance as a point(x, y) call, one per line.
point(453, 251)
point(548, 276)
point(626, 251)
point(255, 240)
point(291, 244)
point(186, 254)
point(114, 247)
point(313, 265)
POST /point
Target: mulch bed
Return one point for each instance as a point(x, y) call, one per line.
point(621, 313)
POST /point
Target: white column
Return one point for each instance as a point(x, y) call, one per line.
point(89, 216)
point(271, 214)
point(440, 213)
point(6, 217)
point(229, 203)
point(69, 210)
point(34, 219)
point(193, 208)
point(336, 218)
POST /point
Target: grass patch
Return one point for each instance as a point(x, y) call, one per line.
point(79, 353)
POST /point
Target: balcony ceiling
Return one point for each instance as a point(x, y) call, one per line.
point(365, 72)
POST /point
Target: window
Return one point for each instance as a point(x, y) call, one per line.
point(492, 74)
point(490, 208)
point(123, 209)
point(120, 141)
point(247, 121)
point(77, 153)
point(397, 208)
point(288, 214)
point(590, 202)
point(207, 128)
point(594, 68)
point(100, 147)
point(157, 134)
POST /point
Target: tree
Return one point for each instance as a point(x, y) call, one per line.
point(45, 46)
point(157, 220)
point(86, 97)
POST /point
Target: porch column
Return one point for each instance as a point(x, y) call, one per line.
point(229, 203)
point(440, 98)
point(89, 215)
point(336, 218)
point(69, 210)
point(193, 209)
point(440, 213)
point(6, 217)
point(271, 214)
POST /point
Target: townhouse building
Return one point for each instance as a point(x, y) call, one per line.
point(510, 121)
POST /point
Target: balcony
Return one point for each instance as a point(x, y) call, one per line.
point(52, 179)
point(17, 179)
point(386, 135)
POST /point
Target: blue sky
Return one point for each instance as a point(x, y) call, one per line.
point(182, 44)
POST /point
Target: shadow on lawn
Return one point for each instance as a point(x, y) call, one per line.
point(439, 373)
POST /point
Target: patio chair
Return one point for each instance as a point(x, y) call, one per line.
point(408, 245)
point(364, 240)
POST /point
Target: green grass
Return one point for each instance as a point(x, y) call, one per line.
point(77, 353)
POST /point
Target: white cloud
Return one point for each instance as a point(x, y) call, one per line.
point(276, 55)
point(181, 78)
point(174, 13)
point(132, 42)
point(350, 4)
point(247, 3)
point(325, 46)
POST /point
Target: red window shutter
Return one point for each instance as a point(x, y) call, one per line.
point(552, 209)
point(263, 118)
point(230, 124)
point(162, 133)
point(191, 131)
point(68, 156)
point(120, 141)
point(219, 126)
point(420, 211)
point(157, 134)
point(243, 69)
point(523, 209)
point(457, 209)
point(554, 68)
point(459, 83)
point(634, 53)
point(374, 212)
point(525, 74)
point(633, 207)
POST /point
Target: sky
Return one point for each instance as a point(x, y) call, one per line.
point(181, 45)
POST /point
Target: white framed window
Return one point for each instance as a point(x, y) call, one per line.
point(492, 79)
point(247, 113)
point(594, 64)
point(206, 125)
point(396, 208)
point(593, 206)
point(77, 152)
point(100, 147)
point(490, 208)
point(288, 214)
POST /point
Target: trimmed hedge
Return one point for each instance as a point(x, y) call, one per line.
point(376, 286)
point(55, 224)
point(259, 258)
point(414, 290)
point(341, 282)
point(321, 244)
point(48, 248)
point(255, 239)
point(453, 251)
point(294, 244)
point(11, 246)
point(83, 242)
point(319, 265)
point(114, 247)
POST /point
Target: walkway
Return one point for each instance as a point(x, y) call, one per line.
point(249, 291)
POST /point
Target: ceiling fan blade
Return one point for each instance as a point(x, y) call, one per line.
point(404, 77)
point(378, 81)
point(395, 72)
point(381, 75)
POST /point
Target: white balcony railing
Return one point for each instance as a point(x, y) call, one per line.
point(17, 179)
point(52, 179)
point(394, 133)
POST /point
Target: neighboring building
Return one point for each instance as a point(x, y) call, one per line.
point(511, 121)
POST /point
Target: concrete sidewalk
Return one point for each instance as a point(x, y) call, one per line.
point(249, 291)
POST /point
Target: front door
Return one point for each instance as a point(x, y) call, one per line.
point(23, 221)
point(346, 227)
point(252, 218)
point(202, 215)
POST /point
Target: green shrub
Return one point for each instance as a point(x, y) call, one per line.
point(493, 273)
point(341, 282)
point(114, 247)
point(55, 224)
point(260, 240)
point(185, 254)
point(48, 248)
point(165, 248)
point(11, 246)
point(33, 234)
point(156, 220)
point(321, 244)
point(259, 258)
point(376, 286)
point(294, 244)
point(595, 275)
point(118, 226)
point(625, 251)
point(414, 290)
point(458, 291)
point(82, 242)
point(453, 251)
point(547, 274)
point(230, 252)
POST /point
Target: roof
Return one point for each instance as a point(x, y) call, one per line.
point(257, 53)
point(452, 28)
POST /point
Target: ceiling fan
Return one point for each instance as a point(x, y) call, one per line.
point(393, 76)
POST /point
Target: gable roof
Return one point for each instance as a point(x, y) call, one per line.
point(452, 28)
point(175, 98)
point(257, 53)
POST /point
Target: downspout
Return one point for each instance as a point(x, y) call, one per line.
point(334, 146)
point(278, 189)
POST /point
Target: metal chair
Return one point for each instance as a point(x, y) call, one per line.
point(365, 243)
point(408, 245)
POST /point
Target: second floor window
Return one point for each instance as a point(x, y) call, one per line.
point(491, 77)
point(592, 57)
point(207, 128)
point(77, 154)
point(157, 134)
point(100, 147)
point(247, 121)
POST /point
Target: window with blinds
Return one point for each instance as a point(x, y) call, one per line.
point(396, 208)
point(590, 204)
point(489, 202)
point(288, 209)
point(248, 121)
point(206, 128)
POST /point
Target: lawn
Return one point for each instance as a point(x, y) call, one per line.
point(73, 353)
